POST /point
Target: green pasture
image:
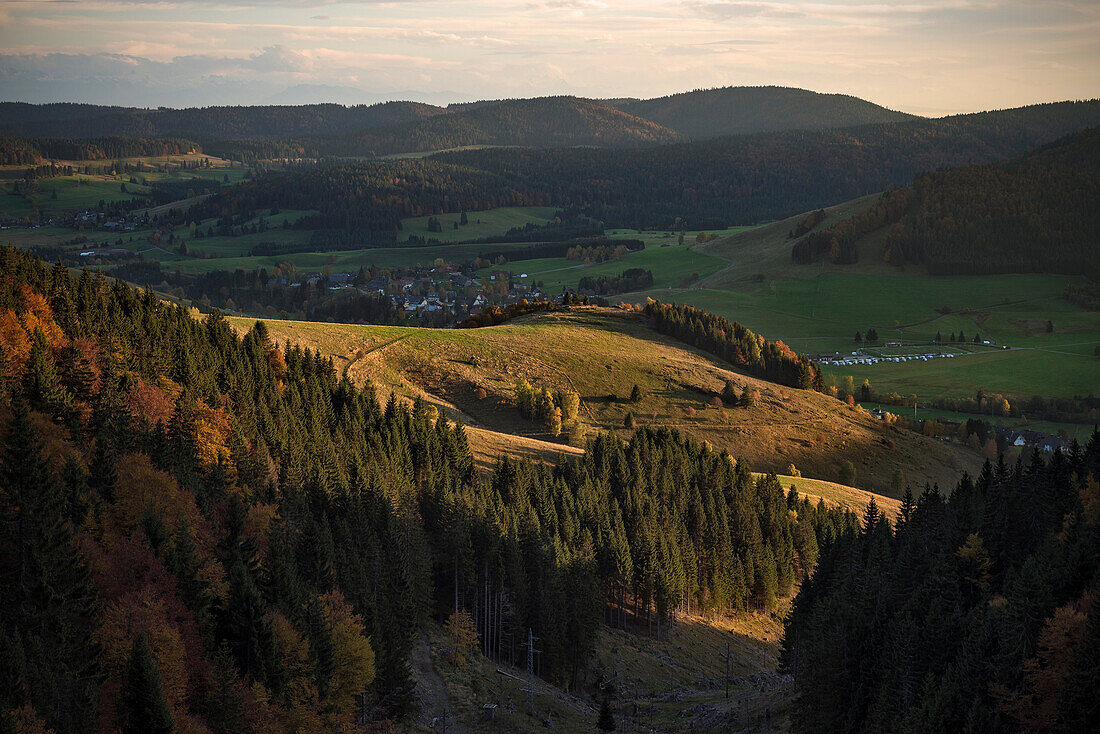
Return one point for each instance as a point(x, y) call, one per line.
point(1063, 371)
point(822, 314)
point(671, 266)
point(1080, 431)
point(342, 260)
point(480, 224)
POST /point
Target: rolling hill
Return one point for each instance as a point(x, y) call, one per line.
point(1033, 214)
point(542, 122)
point(604, 352)
point(709, 113)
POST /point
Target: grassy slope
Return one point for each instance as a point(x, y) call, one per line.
point(661, 684)
point(818, 308)
point(600, 351)
point(670, 266)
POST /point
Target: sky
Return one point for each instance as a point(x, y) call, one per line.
point(929, 57)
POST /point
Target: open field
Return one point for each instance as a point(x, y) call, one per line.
point(1080, 431)
point(480, 224)
point(671, 266)
point(602, 353)
point(818, 308)
point(86, 190)
point(822, 314)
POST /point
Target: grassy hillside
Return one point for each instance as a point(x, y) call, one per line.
point(602, 352)
point(819, 307)
point(708, 113)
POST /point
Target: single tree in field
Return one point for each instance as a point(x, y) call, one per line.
point(628, 420)
point(859, 338)
point(847, 473)
point(729, 393)
point(143, 709)
point(635, 394)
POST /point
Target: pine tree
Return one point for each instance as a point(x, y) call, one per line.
point(142, 708)
point(41, 385)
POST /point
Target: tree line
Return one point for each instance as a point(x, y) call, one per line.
point(32, 151)
point(979, 611)
point(734, 343)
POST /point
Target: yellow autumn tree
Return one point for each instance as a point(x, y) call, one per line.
point(462, 635)
point(299, 710)
point(353, 658)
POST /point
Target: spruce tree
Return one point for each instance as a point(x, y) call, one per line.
point(142, 708)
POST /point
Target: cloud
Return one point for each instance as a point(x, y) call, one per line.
point(944, 54)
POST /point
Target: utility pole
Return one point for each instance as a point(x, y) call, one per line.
point(531, 672)
point(727, 656)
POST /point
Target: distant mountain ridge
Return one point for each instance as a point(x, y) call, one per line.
point(391, 128)
point(204, 123)
point(541, 122)
point(708, 113)
point(403, 126)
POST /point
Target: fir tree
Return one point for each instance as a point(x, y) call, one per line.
point(142, 708)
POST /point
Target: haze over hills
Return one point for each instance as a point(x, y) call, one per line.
point(708, 113)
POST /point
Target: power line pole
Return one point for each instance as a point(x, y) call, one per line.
point(727, 656)
point(531, 672)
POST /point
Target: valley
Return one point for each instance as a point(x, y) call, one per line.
point(758, 409)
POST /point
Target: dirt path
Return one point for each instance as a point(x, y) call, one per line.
point(431, 691)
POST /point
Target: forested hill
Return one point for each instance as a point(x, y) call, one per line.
point(1036, 213)
point(206, 532)
point(976, 612)
point(729, 180)
point(32, 151)
point(749, 178)
point(708, 113)
point(542, 122)
point(204, 123)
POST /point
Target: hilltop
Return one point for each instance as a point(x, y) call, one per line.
point(708, 113)
point(604, 352)
point(542, 122)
